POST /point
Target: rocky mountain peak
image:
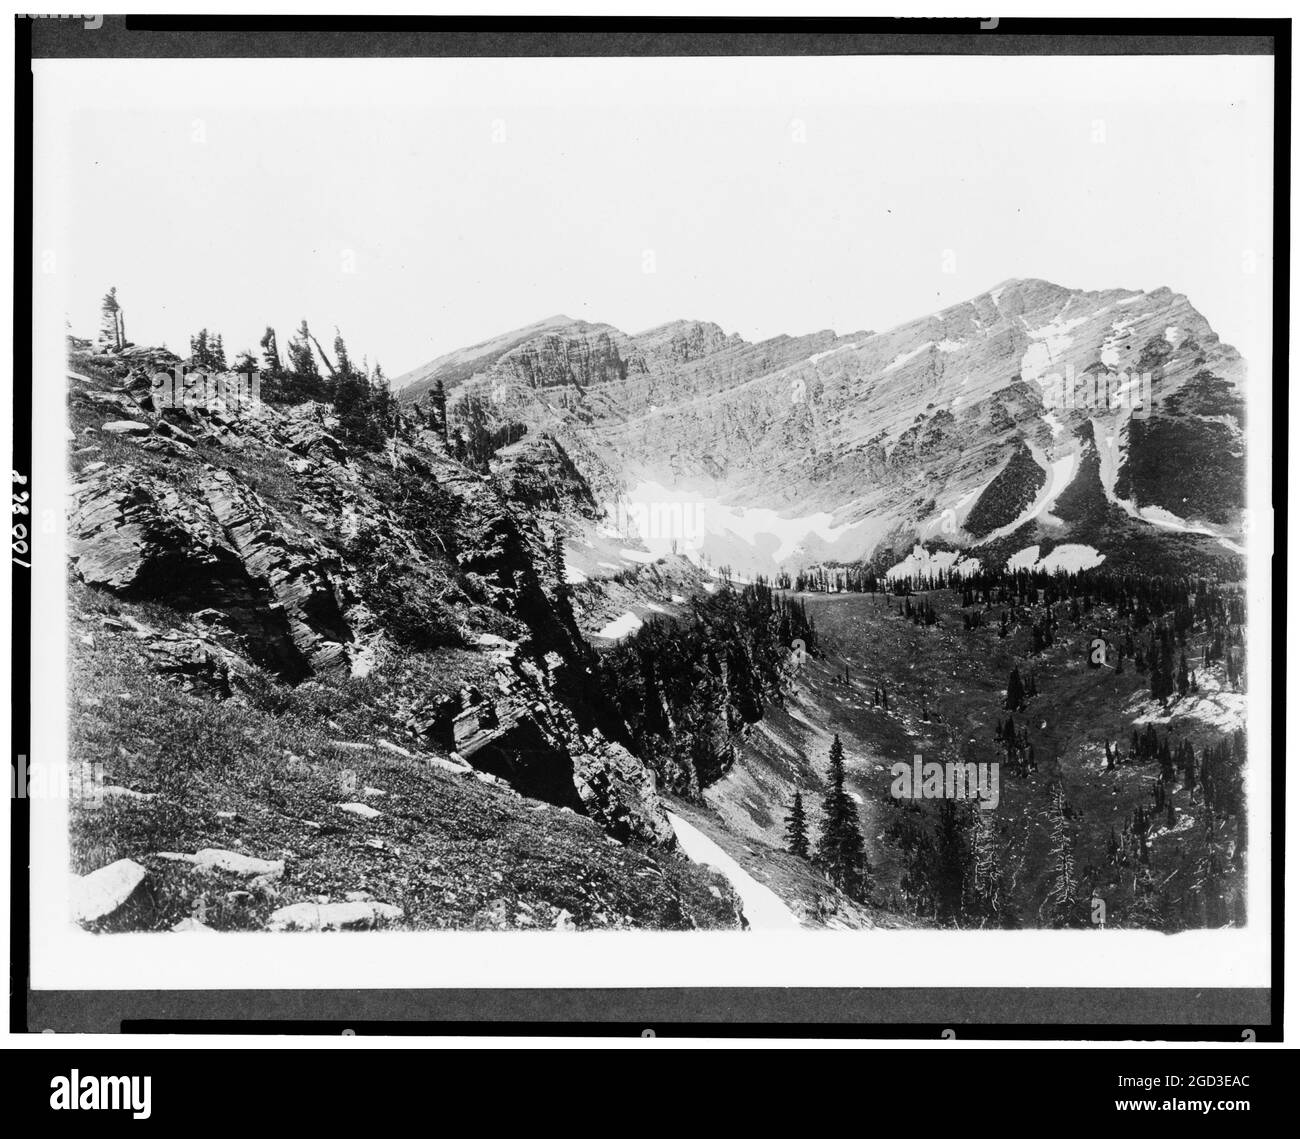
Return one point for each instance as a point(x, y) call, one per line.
point(868, 442)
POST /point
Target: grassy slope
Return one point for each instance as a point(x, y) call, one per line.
point(451, 851)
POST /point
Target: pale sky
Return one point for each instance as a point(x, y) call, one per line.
point(422, 205)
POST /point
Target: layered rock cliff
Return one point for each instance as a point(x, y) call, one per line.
point(864, 444)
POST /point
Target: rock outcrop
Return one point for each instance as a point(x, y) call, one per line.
point(292, 553)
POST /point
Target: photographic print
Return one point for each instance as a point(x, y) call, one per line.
point(771, 495)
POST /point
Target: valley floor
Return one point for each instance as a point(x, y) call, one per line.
point(946, 689)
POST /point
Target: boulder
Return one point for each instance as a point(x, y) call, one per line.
point(242, 865)
point(229, 862)
point(105, 891)
point(333, 916)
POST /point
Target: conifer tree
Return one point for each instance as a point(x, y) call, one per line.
point(796, 828)
point(560, 571)
point(440, 408)
point(840, 847)
point(344, 362)
point(654, 719)
point(302, 362)
point(270, 352)
point(1015, 691)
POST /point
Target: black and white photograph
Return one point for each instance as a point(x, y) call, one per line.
point(813, 507)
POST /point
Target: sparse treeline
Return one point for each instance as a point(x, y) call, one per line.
point(963, 864)
point(359, 393)
point(686, 688)
point(1204, 834)
point(1186, 600)
point(369, 414)
point(858, 579)
point(1157, 617)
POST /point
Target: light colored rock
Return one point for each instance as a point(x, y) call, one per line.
point(191, 925)
point(333, 916)
point(363, 810)
point(243, 865)
point(564, 922)
point(126, 427)
point(448, 765)
point(104, 891)
point(229, 861)
point(114, 792)
point(394, 748)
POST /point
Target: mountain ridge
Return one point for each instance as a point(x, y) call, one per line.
point(896, 435)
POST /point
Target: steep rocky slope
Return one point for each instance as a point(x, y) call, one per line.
point(316, 609)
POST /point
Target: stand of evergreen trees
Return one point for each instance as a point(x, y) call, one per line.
point(840, 853)
point(369, 414)
point(687, 687)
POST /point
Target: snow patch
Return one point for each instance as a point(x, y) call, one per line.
point(1067, 558)
point(1047, 345)
point(903, 357)
point(1071, 557)
point(763, 909)
point(621, 626)
point(1225, 711)
point(829, 352)
point(692, 520)
point(922, 563)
